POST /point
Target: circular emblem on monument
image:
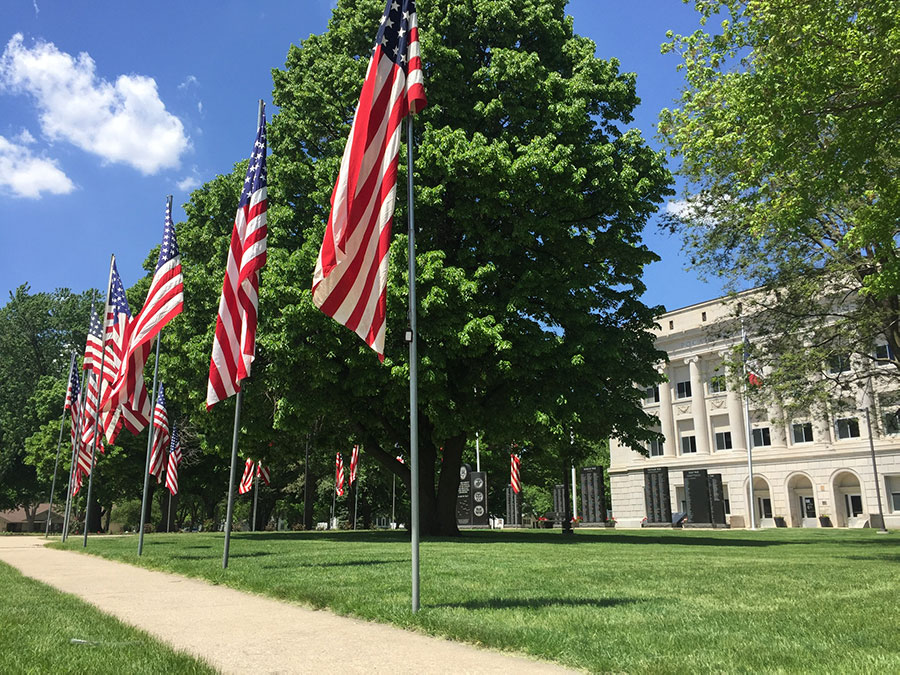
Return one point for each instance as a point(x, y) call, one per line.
point(479, 496)
point(462, 472)
point(478, 483)
point(479, 511)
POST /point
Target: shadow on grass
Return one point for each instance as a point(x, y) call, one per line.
point(347, 563)
point(531, 603)
point(255, 554)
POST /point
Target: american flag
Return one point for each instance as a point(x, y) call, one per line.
point(263, 472)
point(354, 463)
point(350, 280)
point(234, 344)
point(93, 350)
point(165, 300)
point(160, 436)
point(174, 461)
point(72, 402)
point(134, 412)
point(515, 463)
point(339, 475)
point(247, 479)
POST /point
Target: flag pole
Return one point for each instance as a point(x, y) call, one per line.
point(151, 431)
point(413, 376)
point(169, 512)
point(747, 424)
point(255, 500)
point(234, 449)
point(87, 507)
point(75, 442)
point(62, 421)
point(333, 501)
point(355, 500)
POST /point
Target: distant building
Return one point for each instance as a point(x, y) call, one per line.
point(17, 520)
point(804, 468)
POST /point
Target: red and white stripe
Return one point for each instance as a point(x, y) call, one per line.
point(354, 463)
point(247, 479)
point(160, 441)
point(350, 280)
point(339, 475)
point(263, 473)
point(174, 461)
point(234, 344)
point(515, 463)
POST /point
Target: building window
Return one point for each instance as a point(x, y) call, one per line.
point(895, 501)
point(723, 440)
point(854, 505)
point(761, 437)
point(688, 445)
point(703, 316)
point(651, 395)
point(847, 427)
point(840, 363)
point(671, 325)
point(656, 448)
point(717, 384)
point(891, 421)
point(683, 389)
point(803, 432)
point(727, 500)
point(884, 352)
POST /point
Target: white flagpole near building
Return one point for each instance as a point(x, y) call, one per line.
point(62, 422)
point(746, 388)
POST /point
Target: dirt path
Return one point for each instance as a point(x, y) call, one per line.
point(240, 632)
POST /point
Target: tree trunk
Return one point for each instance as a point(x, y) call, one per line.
point(94, 523)
point(448, 487)
point(30, 511)
point(307, 491)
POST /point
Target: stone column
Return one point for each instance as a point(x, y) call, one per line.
point(698, 406)
point(777, 427)
point(735, 404)
point(666, 417)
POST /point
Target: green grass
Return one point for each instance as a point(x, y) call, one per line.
point(38, 625)
point(607, 600)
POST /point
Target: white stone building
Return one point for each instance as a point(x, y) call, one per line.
point(804, 468)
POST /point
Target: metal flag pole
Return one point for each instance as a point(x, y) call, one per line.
point(393, 499)
point(574, 495)
point(76, 440)
point(355, 500)
point(333, 502)
point(62, 422)
point(746, 388)
point(867, 404)
point(87, 507)
point(255, 500)
point(413, 376)
point(477, 453)
point(169, 512)
point(234, 450)
point(150, 435)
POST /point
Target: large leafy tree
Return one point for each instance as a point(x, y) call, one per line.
point(787, 135)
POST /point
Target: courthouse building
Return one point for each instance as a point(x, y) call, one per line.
point(804, 468)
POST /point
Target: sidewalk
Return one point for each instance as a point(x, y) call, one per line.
point(239, 632)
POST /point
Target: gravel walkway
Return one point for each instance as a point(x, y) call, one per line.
point(240, 632)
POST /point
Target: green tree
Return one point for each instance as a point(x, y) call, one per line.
point(786, 132)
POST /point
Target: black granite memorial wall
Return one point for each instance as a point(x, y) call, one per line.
point(656, 495)
point(696, 491)
point(513, 507)
point(464, 496)
point(593, 496)
point(480, 515)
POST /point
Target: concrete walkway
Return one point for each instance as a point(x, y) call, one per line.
point(240, 632)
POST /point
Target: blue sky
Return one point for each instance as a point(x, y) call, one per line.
point(106, 107)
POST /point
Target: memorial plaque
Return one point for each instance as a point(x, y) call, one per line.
point(464, 496)
point(480, 515)
point(656, 495)
point(716, 499)
point(593, 496)
point(559, 499)
point(696, 490)
point(513, 507)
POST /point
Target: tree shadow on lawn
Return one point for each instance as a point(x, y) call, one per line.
point(255, 554)
point(531, 603)
point(346, 563)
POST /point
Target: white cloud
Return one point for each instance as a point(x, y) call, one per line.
point(24, 137)
point(188, 183)
point(28, 176)
point(123, 122)
point(188, 81)
point(679, 207)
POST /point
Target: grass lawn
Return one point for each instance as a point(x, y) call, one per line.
point(603, 600)
point(38, 625)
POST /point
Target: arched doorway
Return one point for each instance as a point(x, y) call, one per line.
point(802, 501)
point(849, 503)
point(762, 500)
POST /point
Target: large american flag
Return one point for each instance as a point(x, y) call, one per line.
point(247, 479)
point(515, 464)
point(165, 300)
point(350, 280)
point(93, 354)
point(93, 350)
point(354, 464)
point(234, 344)
point(73, 404)
point(160, 436)
point(339, 475)
point(174, 461)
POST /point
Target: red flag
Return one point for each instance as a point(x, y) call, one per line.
point(234, 345)
point(350, 280)
point(354, 463)
point(263, 472)
point(247, 479)
point(515, 463)
point(165, 300)
point(754, 379)
point(339, 475)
